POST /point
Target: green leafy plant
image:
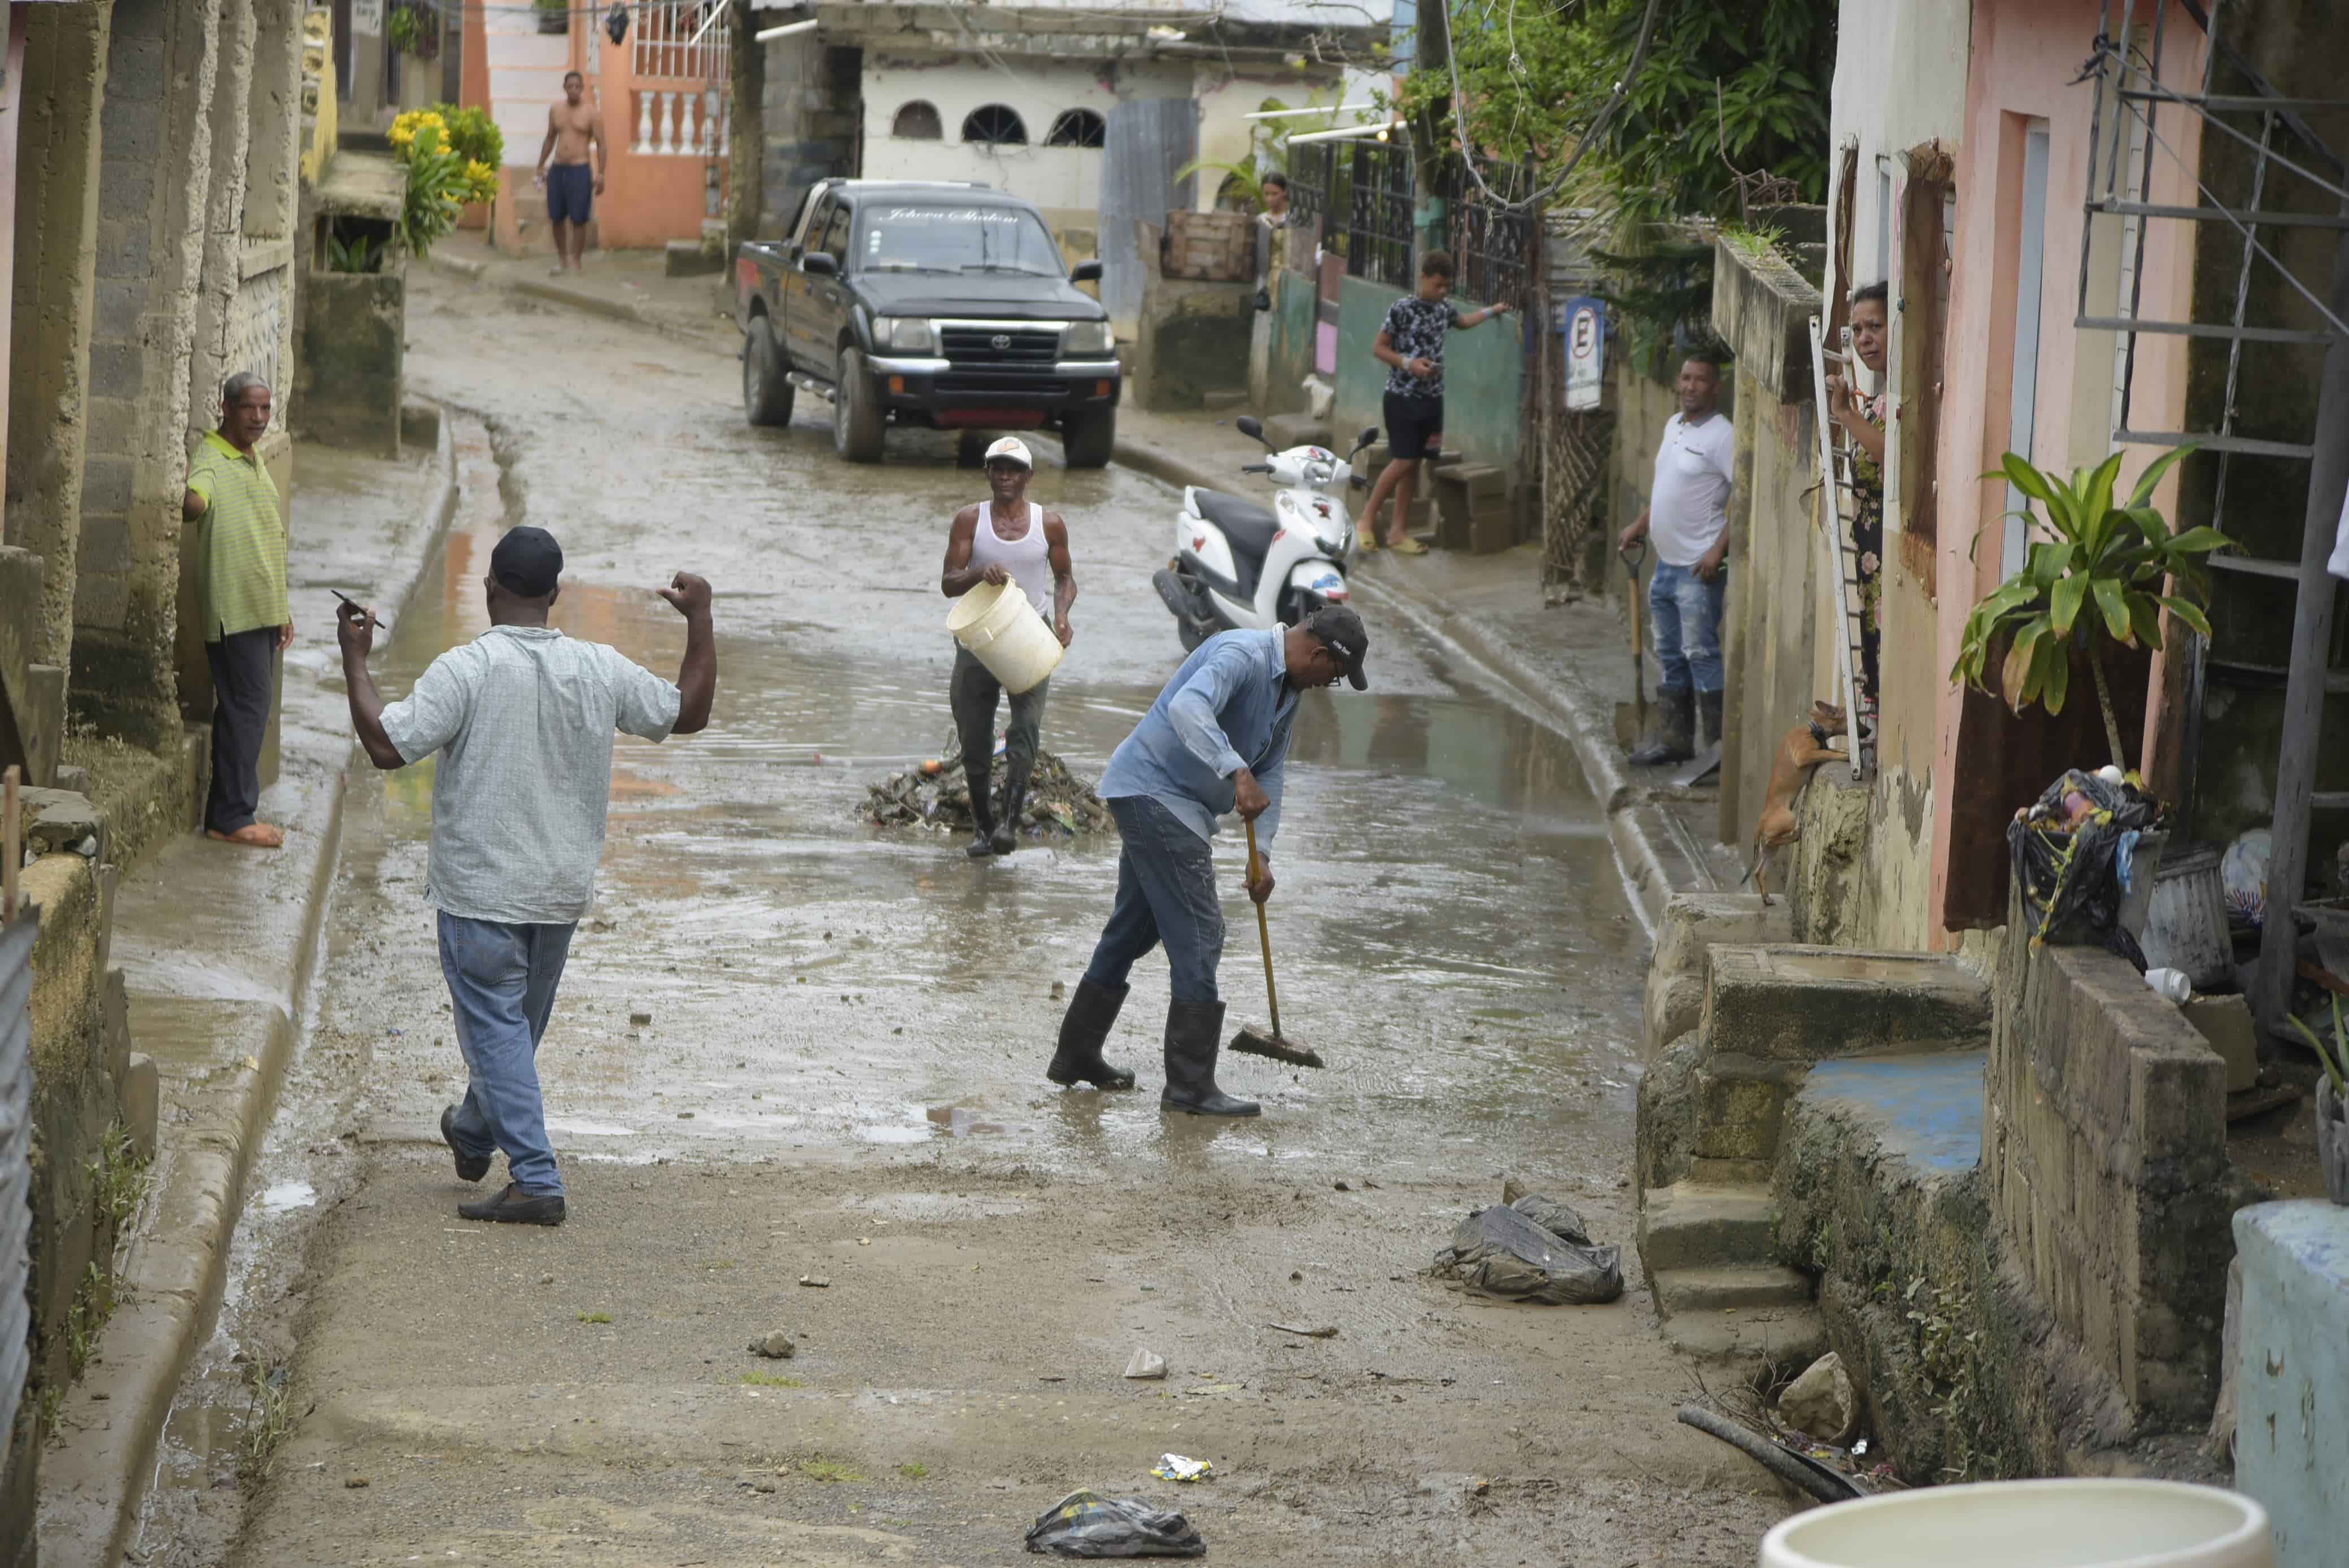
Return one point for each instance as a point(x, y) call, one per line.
point(472, 135)
point(402, 31)
point(441, 180)
point(1727, 86)
point(2335, 1060)
point(2102, 574)
point(361, 255)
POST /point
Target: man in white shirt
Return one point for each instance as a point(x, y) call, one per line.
point(1687, 517)
point(523, 720)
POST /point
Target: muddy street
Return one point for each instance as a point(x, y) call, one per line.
point(792, 1048)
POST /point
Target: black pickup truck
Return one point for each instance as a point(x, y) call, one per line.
point(926, 304)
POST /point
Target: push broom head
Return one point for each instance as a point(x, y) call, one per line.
point(1257, 1043)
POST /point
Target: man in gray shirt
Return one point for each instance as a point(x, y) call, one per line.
point(522, 717)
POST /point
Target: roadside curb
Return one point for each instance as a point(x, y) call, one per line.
point(224, 1058)
point(1635, 825)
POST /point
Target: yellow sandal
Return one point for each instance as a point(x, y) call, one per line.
point(1408, 546)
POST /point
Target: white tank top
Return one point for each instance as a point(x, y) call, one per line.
point(1028, 558)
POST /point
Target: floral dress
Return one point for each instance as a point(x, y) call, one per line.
point(1867, 546)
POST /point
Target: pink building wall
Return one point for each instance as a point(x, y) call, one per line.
point(2024, 57)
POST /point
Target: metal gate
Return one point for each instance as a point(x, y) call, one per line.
point(1145, 143)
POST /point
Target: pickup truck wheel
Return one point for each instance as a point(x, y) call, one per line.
point(1086, 438)
point(767, 394)
point(856, 412)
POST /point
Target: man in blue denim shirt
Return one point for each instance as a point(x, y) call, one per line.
point(1216, 740)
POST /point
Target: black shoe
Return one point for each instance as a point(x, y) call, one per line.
point(981, 845)
point(515, 1207)
point(1195, 1032)
point(470, 1167)
point(1084, 1027)
point(1675, 729)
point(1708, 718)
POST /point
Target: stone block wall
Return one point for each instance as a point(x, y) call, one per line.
point(154, 176)
point(797, 101)
point(2105, 1163)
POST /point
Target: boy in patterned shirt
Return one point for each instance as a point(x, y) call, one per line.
point(1411, 345)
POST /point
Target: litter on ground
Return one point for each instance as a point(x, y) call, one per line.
point(937, 795)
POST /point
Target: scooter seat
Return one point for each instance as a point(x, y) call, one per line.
point(1249, 526)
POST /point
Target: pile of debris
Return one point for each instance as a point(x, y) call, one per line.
point(936, 795)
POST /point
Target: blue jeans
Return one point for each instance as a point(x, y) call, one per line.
point(1685, 611)
point(1166, 893)
point(501, 981)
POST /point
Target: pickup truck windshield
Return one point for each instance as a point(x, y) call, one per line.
point(942, 237)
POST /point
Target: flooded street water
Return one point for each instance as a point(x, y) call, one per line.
point(794, 1045)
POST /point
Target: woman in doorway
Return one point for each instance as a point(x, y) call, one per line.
point(1863, 418)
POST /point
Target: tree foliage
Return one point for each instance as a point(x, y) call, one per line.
point(1728, 88)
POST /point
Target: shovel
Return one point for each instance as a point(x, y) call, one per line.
point(1255, 1042)
point(1634, 553)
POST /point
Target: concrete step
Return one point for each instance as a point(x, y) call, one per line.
point(1704, 1172)
point(1791, 1338)
point(1688, 1225)
point(1784, 1002)
point(1739, 1287)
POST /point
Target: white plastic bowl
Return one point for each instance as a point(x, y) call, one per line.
point(2030, 1524)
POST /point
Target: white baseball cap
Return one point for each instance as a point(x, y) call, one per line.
point(1013, 448)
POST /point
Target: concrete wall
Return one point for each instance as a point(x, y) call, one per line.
point(52, 301)
point(2291, 1427)
point(1779, 582)
point(350, 377)
point(1062, 178)
point(1191, 338)
point(1281, 348)
point(2105, 1163)
point(1484, 377)
point(806, 125)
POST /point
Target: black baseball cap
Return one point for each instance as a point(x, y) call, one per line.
point(1339, 630)
point(527, 562)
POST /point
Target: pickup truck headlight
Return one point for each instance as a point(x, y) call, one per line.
point(905, 333)
point(1087, 337)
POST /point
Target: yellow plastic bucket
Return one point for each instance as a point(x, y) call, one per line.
point(2083, 1524)
point(1004, 632)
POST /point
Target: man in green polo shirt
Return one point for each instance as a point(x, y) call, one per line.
point(241, 565)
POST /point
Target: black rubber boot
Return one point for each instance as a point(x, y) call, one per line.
point(1002, 840)
point(982, 815)
point(1194, 1035)
point(1084, 1027)
point(1675, 726)
point(1708, 715)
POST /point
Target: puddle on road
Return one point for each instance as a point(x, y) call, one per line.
point(1451, 933)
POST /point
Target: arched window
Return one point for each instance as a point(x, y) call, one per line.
point(995, 125)
point(1077, 127)
point(916, 121)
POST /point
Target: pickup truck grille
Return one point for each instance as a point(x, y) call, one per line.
point(982, 384)
point(1004, 346)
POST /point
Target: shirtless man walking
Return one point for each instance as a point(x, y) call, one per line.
point(1005, 539)
point(572, 186)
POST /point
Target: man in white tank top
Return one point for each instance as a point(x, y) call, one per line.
point(1004, 538)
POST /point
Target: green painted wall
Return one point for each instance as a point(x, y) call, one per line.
point(1483, 376)
point(1289, 356)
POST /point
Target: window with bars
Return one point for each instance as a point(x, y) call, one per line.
point(1378, 230)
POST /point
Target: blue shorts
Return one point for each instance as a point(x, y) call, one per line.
point(570, 192)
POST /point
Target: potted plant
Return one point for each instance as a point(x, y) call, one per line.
point(2101, 573)
point(553, 15)
point(2331, 1104)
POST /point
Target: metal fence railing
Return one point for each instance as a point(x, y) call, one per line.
point(1378, 227)
point(1493, 247)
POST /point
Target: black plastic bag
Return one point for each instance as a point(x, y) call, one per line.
point(2067, 861)
point(1502, 1251)
point(1086, 1524)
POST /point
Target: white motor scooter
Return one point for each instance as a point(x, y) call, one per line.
point(1239, 565)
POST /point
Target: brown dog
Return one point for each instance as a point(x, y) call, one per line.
point(1805, 747)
